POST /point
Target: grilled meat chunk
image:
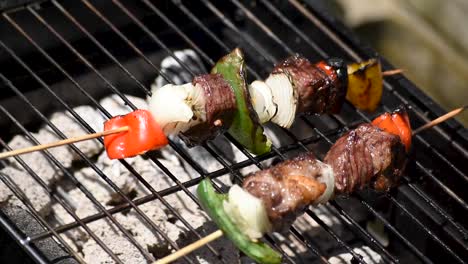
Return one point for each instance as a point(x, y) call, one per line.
point(321, 88)
point(287, 188)
point(220, 106)
point(366, 155)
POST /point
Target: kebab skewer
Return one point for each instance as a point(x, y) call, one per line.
point(294, 86)
point(212, 103)
point(372, 155)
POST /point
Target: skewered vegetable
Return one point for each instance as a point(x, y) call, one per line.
point(247, 212)
point(177, 107)
point(213, 204)
point(370, 155)
point(212, 103)
point(262, 101)
point(365, 84)
point(144, 134)
point(245, 127)
point(285, 98)
point(396, 123)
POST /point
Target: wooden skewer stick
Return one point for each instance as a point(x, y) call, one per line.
point(217, 234)
point(440, 119)
point(392, 72)
point(62, 142)
point(185, 250)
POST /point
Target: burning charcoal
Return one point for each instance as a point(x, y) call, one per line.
point(367, 253)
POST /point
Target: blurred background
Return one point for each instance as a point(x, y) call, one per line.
point(428, 39)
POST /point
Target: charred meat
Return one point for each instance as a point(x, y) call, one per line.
point(287, 188)
point(219, 109)
point(321, 88)
point(366, 155)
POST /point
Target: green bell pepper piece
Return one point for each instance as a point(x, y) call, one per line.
point(212, 203)
point(245, 128)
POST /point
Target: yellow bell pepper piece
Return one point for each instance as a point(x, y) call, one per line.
point(365, 84)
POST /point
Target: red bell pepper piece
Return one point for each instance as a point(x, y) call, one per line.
point(396, 123)
point(144, 134)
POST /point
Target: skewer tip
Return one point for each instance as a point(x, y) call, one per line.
point(392, 72)
point(440, 119)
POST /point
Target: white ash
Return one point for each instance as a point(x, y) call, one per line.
point(115, 241)
point(177, 74)
point(71, 128)
point(160, 215)
point(38, 161)
point(37, 195)
point(116, 106)
point(369, 256)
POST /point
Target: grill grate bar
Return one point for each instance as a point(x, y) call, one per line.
point(436, 207)
point(262, 26)
point(20, 194)
point(158, 230)
point(355, 226)
point(54, 195)
point(124, 38)
point(387, 224)
point(319, 50)
point(230, 138)
point(90, 163)
point(239, 178)
point(233, 168)
point(296, 30)
point(245, 37)
point(431, 234)
point(397, 233)
point(343, 215)
point(178, 31)
point(11, 229)
point(104, 177)
point(408, 104)
point(152, 35)
point(287, 49)
point(141, 54)
point(271, 34)
point(99, 45)
point(78, 54)
point(356, 256)
point(174, 189)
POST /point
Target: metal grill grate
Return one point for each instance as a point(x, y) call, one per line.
point(431, 198)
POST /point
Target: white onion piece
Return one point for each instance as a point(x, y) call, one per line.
point(247, 212)
point(328, 178)
point(284, 97)
point(262, 101)
point(177, 108)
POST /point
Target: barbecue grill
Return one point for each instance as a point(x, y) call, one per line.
point(56, 55)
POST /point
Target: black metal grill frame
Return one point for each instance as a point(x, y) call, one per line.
point(451, 137)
